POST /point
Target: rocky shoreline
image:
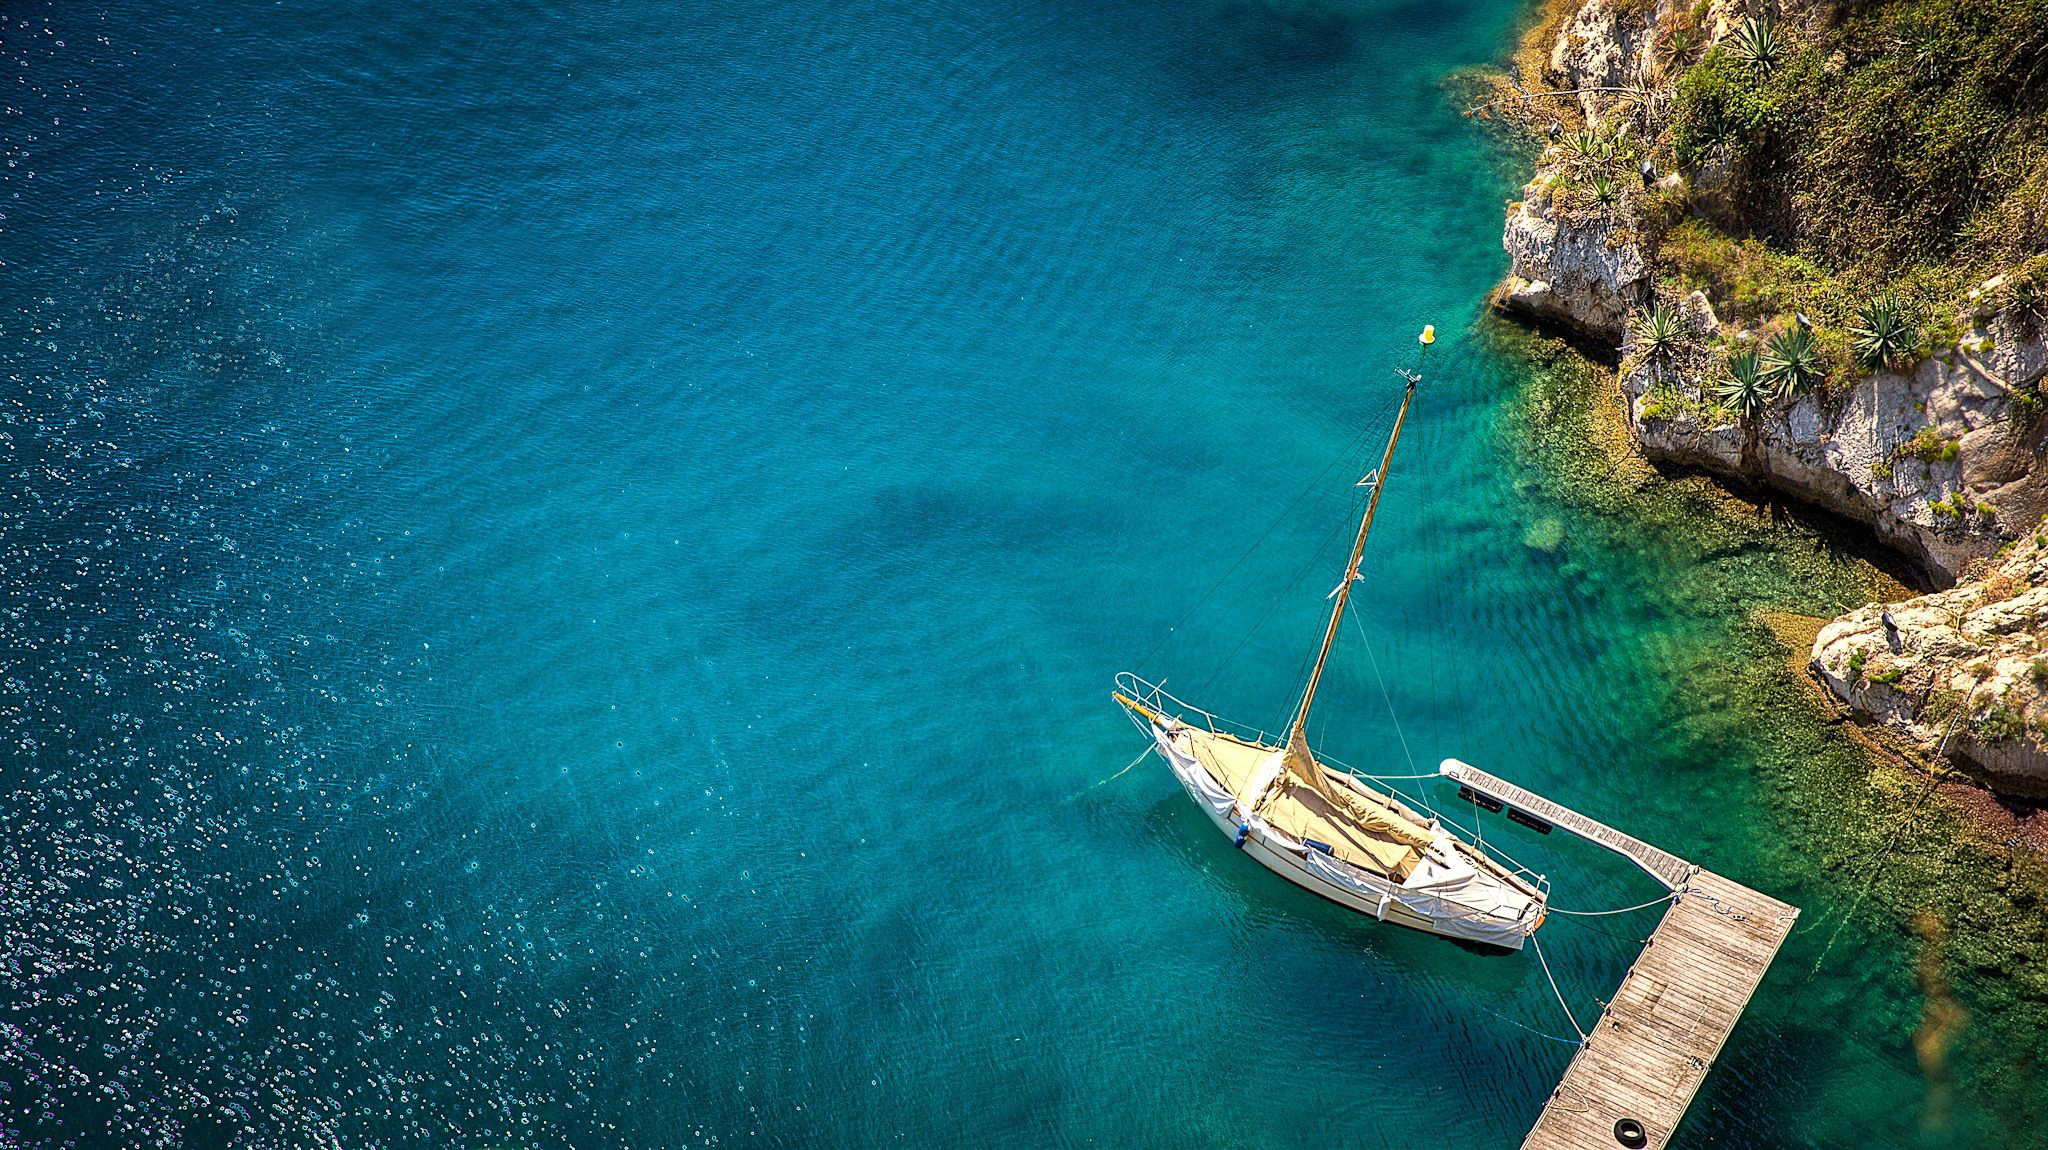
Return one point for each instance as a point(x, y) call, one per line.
point(1939, 455)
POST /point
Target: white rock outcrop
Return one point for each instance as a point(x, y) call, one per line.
point(1969, 664)
point(1576, 270)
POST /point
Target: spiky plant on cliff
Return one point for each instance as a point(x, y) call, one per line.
point(1757, 44)
point(1748, 395)
point(1791, 362)
point(1657, 334)
point(1882, 336)
point(1744, 391)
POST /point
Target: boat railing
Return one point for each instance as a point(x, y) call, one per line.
point(1471, 834)
point(1157, 698)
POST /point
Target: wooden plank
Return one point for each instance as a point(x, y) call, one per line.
point(1672, 1014)
point(1661, 865)
point(1669, 1019)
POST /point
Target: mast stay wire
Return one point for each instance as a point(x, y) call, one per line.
point(1384, 697)
point(1365, 429)
point(1278, 601)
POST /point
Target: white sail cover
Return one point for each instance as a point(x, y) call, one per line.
point(1451, 918)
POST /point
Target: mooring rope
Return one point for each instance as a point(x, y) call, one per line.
point(1934, 773)
point(1569, 1016)
point(1672, 897)
point(1533, 1030)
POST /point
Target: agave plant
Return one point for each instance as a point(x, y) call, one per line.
point(1744, 391)
point(1791, 362)
point(1589, 146)
point(1882, 334)
point(1657, 333)
point(1757, 44)
point(1684, 41)
point(1603, 188)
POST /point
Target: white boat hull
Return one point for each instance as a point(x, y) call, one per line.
point(1348, 886)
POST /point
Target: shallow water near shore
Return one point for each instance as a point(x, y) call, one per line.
point(562, 570)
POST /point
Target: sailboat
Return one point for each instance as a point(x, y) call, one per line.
point(1331, 831)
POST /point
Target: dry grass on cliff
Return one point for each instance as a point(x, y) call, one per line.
point(1903, 140)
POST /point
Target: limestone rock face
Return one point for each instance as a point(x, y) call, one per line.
point(1581, 269)
point(1970, 663)
point(1583, 273)
point(1599, 47)
point(1929, 459)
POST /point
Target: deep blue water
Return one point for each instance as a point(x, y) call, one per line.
point(562, 566)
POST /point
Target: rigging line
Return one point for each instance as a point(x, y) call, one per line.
point(1273, 607)
point(1354, 507)
point(1313, 484)
point(1533, 1030)
point(1569, 1016)
point(1672, 897)
point(1120, 774)
point(1384, 697)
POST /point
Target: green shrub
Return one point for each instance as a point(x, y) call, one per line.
point(1928, 446)
point(2000, 724)
point(2038, 671)
point(1889, 675)
point(1856, 661)
point(1882, 469)
point(2025, 405)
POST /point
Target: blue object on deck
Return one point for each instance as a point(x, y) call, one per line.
point(1326, 848)
point(1244, 831)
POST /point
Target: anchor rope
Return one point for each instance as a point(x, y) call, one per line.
point(1120, 774)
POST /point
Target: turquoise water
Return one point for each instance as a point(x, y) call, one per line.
point(562, 567)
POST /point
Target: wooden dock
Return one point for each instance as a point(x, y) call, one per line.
point(1652, 1047)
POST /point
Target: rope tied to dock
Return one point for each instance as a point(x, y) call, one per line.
point(1671, 897)
point(1569, 1016)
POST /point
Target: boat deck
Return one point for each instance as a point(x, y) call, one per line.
point(1660, 1034)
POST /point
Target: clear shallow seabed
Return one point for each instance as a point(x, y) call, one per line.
point(561, 567)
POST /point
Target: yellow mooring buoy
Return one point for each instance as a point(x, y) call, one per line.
point(1428, 334)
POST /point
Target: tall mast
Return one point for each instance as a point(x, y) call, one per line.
point(1297, 730)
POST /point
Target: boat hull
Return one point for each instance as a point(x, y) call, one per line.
point(1350, 887)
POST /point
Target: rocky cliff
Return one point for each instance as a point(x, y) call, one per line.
point(1940, 453)
point(1968, 666)
point(1931, 457)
